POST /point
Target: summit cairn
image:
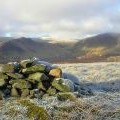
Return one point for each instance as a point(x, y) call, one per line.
point(32, 78)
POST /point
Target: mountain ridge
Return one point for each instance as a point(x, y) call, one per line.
point(101, 46)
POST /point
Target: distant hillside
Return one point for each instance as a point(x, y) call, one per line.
point(4, 39)
point(26, 47)
point(100, 46)
point(97, 48)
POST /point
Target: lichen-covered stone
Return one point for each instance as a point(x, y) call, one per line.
point(33, 69)
point(56, 72)
point(70, 84)
point(36, 93)
point(3, 76)
point(39, 94)
point(1, 95)
point(66, 96)
point(32, 94)
point(40, 86)
point(45, 96)
point(16, 65)
point(5, 68)
point(60, 85)
point(15, 75)
point(3, 79)
point(37, 77)
point(26, 63)
point(14, 92)
point(25, 92)
point(48, 65)
point(2, 82)
point(51, 91)
point(21, 84)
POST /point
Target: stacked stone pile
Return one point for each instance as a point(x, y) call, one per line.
point(32, 78)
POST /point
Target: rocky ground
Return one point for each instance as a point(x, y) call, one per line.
point(104, 104)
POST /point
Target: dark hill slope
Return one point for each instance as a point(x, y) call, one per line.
point(26, 47)
point(103, 44)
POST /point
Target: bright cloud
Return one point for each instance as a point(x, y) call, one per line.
point(59, 18)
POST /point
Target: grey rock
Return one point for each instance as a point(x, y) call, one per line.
point(26, 63)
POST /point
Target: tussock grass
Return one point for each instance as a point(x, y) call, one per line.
point(82, 110)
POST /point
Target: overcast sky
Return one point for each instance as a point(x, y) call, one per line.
point(59, 18)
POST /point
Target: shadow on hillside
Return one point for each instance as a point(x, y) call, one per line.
point(108, 86)
point(72, 77)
